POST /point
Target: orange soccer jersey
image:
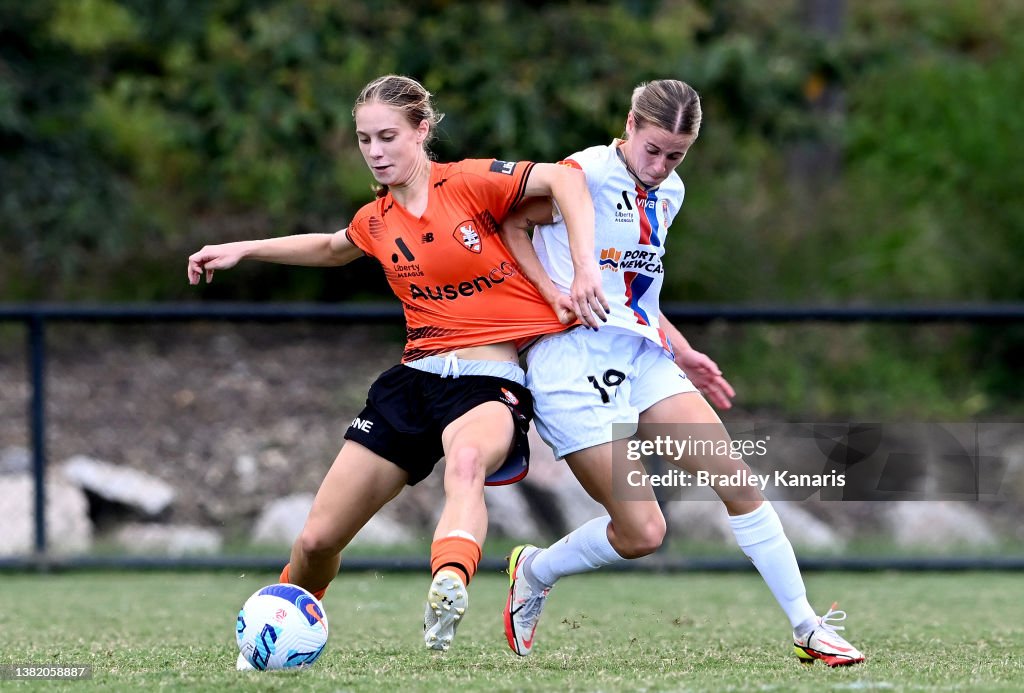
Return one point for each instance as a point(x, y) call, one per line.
point(458, 284)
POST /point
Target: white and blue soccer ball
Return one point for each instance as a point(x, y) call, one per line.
point(281, 627)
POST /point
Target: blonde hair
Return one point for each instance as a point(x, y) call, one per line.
point(404, 94)
point(668, 104)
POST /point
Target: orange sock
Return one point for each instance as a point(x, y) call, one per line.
point(457, 554)
point(286, 577)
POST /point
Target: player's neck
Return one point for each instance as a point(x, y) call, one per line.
point(414, 193)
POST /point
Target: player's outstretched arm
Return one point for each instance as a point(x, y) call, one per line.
point(307, 249)
point(568, 187)
point(515, 234)
point(699, 368)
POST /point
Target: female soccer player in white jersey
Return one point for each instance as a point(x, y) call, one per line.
point(636, 369)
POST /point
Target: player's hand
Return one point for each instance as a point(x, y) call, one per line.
point(707, 376)
point(213, 257)
point(588, 301)
point(561, 304)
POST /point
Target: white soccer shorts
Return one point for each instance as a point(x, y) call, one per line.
point(584, 381)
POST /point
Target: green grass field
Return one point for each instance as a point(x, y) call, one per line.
point(605, 632)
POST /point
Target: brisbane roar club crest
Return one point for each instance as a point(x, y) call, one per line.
point(466, 234)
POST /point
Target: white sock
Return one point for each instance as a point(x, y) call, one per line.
point(584, 549)
point(763, 540)
point(462, 533)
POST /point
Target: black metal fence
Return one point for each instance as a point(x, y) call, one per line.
point(35, 317)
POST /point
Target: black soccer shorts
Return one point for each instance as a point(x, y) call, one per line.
point(406, 410)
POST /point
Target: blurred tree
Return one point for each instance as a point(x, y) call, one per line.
point(133, 131)
point(62, 206)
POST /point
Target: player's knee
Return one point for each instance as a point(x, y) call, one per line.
point(315, 543)
point(642, 540)
point(464, 467)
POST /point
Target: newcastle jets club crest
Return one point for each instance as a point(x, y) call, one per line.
point(466, 234)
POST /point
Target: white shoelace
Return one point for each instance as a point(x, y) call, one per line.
point(533, 605)
point(833, 615)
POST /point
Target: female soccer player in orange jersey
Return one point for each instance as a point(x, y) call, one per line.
point(459, 391)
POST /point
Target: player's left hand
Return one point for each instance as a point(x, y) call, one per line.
point(707, 376)
point(588, 301)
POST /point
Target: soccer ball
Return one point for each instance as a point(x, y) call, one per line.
point(281, 626)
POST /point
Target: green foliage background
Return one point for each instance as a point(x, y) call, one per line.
point(879, 165)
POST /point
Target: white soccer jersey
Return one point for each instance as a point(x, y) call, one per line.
point(631, 226)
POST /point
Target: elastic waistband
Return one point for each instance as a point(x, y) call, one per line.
point(451, 366)
point(552, 335)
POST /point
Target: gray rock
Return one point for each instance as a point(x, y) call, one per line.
point(15, 460)
point(247, 472)
point(167, 540)
point(937, 524)
point(708, 521)
point(555, 493)
point(383, 530)
point(805, 530)
point(699, 520)
point(67, 516)
point(120, 484)
point(509, 515)
point(282, 520)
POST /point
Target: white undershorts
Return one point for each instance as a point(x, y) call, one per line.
point(584, 381)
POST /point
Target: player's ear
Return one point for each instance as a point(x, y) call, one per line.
point(630, 124)
point(422, 131)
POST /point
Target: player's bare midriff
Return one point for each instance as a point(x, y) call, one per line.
point(502, 351)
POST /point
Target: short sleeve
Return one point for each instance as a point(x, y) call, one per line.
point(358, 231)
point(504, 182)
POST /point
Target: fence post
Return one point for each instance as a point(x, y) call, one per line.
point(37, 414)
